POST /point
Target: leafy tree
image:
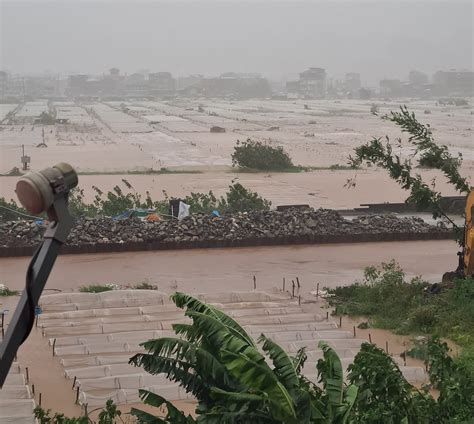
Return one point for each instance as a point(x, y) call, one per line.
point(220, 364)
point(453, 381)
point(257, 155)
point(425, 151)
point(384, 394)
point(241, 199)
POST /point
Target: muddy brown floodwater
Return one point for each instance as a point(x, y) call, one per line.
point(206, 270)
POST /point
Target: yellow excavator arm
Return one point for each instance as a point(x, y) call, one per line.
point(468, 253)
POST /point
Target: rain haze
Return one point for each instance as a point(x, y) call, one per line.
point(278, 39)
point(261, 156)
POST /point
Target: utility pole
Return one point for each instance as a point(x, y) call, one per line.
point(25, 160)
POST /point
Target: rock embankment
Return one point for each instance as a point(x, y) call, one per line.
point(237, 227)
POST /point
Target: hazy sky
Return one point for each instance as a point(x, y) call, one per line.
point(278, 39)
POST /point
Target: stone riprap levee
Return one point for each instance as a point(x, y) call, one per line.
point(253, 226)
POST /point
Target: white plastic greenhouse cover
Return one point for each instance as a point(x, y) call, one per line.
point(131, 381)
point(170, 392)
point(16, 405)
point(96, 334)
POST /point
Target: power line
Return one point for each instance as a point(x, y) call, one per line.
point(19, 213)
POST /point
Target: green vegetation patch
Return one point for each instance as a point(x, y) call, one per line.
point(124, 197)
point(391, 302)
point(144, 285)
point(98, 288)
point(263, 156)
point(5, 291)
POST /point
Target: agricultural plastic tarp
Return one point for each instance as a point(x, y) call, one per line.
point(96, 334)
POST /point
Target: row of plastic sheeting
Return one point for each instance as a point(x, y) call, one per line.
point(16, 403)
point(127, 396)
point(96, 334)
point(108, 299)
point(127, 381)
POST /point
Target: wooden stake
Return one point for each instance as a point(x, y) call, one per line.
point(27, 376)
point(77, 394)
point(54, 345)
point(254, 282)
point(386, 347)
point(299, 299)
point(340, 321)
point(298, 282)
point(317, 290)
point(370, 338)
point(354, 329)
point(327, 316)
point(39, 399)
point(293, 288)
point(33, 389)
point(74, 382)
point(3, 318)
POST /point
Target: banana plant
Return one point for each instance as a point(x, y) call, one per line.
point(216, 360)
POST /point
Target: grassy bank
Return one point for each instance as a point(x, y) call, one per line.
point(390, 301)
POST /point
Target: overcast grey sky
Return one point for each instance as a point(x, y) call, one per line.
point(378, 39)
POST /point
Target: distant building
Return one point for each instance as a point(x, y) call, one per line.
point(364, 93)
point(3, 84)
point(417, 78)
point(391, 88)
point(114, 72)
point(77, 85)
point(135, 85)
point(459, 83)
point(312, 83)
point(352, 83)
point(189, 81)
point(161, 84)
point(293, 89)
point(240, 86)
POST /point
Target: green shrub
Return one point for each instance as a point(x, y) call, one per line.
point(258, 155)
point(120, 199)
point(10, 211)
point(107, 415)
point(5, 291)
point(383, 296)
point(97, 288)
point(389, 301)
point(202, 202)
point(144, 285)
point(241, 199)
point(423, 318)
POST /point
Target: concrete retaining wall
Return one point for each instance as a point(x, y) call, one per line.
point(249, 242)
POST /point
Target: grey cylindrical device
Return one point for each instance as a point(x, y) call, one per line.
point(37, 191)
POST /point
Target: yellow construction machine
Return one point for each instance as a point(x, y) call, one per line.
point(466, 254)
point(466, 263)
